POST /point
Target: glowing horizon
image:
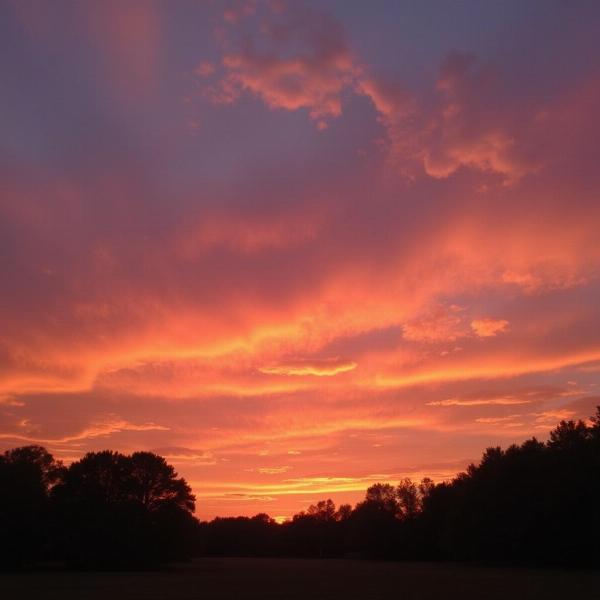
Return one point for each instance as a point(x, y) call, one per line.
point(298, 247)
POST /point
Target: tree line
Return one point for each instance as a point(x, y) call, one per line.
point(534, 503)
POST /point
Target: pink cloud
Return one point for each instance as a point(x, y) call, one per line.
point(298, 60)
point(464, 122)
point(472, 127)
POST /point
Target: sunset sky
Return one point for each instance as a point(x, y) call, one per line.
point(297, 247)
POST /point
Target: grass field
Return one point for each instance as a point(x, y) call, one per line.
point(281, 579)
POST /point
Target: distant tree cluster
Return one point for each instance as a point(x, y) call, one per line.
point(534, 503)
point(107, 510)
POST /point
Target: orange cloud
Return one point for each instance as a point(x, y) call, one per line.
point(495, 369)
point(322, 368)
point(504, 421)
point(443, 324)
point(488, 327)
point(186, 456)
point(273, 470)
point(479, 402)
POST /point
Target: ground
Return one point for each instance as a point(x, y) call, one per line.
point(283, 579)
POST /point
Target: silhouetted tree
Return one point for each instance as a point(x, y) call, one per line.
point(375, 524)
point(569, 436)
point(118, 510)
point(344, 512)
point(408, 498)
point(26, 476)
point(426, 486)
point(324, 511)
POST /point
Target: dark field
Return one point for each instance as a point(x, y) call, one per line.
point(306, 580)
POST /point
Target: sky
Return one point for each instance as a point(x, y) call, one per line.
point(297, 247)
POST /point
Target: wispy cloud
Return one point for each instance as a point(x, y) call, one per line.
point(327, 367)
point(479, 402)
point(97, 429)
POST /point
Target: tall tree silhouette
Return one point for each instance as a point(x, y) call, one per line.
point(155, 485)
point(26, 476)
point(119, 510)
